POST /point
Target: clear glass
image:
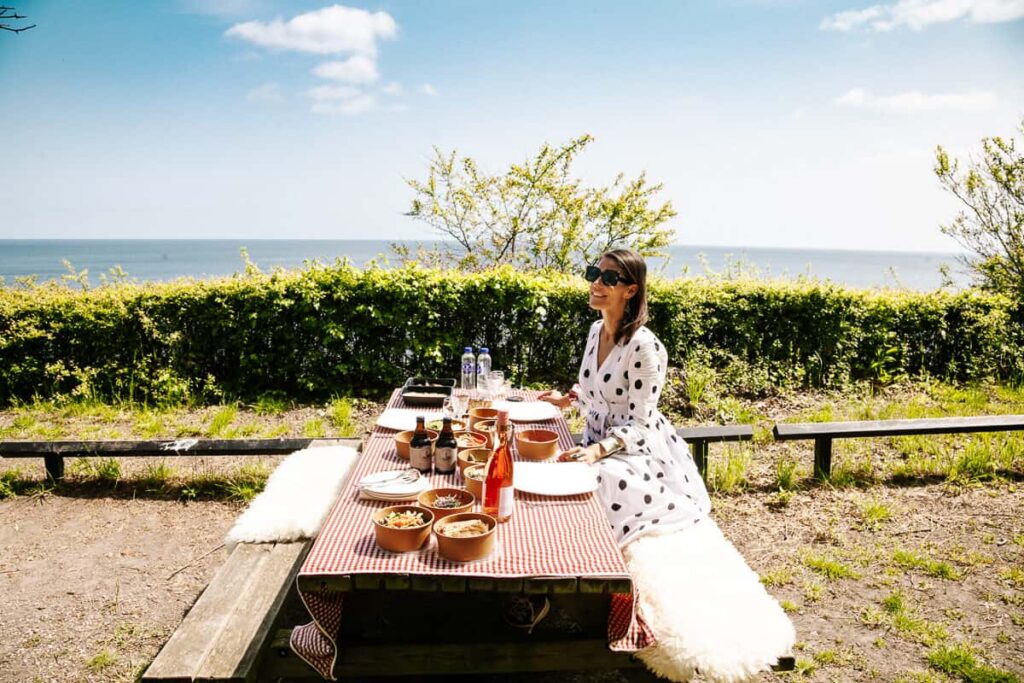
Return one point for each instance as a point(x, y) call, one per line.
point(459, 402)
point(496, 384)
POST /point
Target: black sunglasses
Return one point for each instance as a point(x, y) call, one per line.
point(609, 277)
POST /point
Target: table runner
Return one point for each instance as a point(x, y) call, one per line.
point(567, 536)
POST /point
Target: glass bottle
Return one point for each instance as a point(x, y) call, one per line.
point(446, 449)
point(499, 494)
point(420, 455)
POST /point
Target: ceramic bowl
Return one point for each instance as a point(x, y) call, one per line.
point(427, 498)
point(402, 440)
point(477, 414)
point(467, 548)
point(402, 540)
point(474, 480)
point(485, 428)
point(468, 440)
point(537, 444)
point(473, 456)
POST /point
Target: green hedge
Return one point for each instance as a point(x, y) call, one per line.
point(336, 330)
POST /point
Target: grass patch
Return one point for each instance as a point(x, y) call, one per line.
point(828, 567)
point(786, 474)
point(314, 428)
point(271, 403)
point(222, 419)
point(777, 577)
point(873, 514)
point(1014, 575)
point(900, 617)
point(101, 660)
point(959, 660)
point(339, 411)
point(156, 476)
point(852, 470)
point(729, 473)
point(908, 559)
point(105, 471)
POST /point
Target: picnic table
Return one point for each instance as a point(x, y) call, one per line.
point(380, 613)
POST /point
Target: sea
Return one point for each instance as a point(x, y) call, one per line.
point(162, 260)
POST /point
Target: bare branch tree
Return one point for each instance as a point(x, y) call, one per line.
point(10, 14)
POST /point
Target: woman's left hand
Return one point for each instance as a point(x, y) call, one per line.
point(589, 454)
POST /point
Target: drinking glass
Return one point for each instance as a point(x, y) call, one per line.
point(457, 404)
point(496, 383)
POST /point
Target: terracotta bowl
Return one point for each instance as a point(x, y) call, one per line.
point(466, 548)
point(469, 440)
point(473, 456)
point(402, 440)
point(477, 414)
point(402, 540)
point(537, 444)
point(485, 428)
point(457, 425)
point(427, 498)
point(475, 486)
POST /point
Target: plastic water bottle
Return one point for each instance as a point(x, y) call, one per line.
point(468, 369)
point(483, 366)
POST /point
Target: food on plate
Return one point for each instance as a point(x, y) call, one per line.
point(447, 502)
point(469, 440)
point(478, 472)
point(465, 529)
point(403, 520)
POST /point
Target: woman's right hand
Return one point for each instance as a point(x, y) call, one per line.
point(555, 397)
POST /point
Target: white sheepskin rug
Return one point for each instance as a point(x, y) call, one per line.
point(297, 497)
point(713, 619)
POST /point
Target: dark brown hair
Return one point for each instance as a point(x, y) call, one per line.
point(632, 266)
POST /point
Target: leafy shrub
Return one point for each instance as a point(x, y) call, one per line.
point(330, 330)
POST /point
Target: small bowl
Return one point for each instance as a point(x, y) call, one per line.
point(402, 440)
point(477, 414)
point(457, 425)
point(402, 540)
point(427, 498)
point(485, 428)
point(470, 440)
point(537, 444)
point(467, 548)
point(473, 456)
point(475, 486)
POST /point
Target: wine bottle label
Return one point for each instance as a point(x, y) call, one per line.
point(444, 459)
point(505, 501)
point(420, 458)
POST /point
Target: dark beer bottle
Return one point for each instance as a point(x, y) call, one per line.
point(420, 448)
point(446, 449)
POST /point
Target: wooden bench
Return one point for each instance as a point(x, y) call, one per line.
point(54, 452)
point(823, 433)
point(698, 439)
point(225, 633)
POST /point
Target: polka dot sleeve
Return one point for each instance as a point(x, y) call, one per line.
point(645, 378)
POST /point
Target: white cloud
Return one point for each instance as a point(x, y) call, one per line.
point(330, 30)
point(326, 93)
point(348, 107)
point(917, 14)
point(268, 93)
point(392, 89)
point(355, 69)
point(428, 89)
point(916, 101)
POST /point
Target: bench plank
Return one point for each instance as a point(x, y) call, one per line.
point(935, 425)
point(221, 636)
point(717, 433)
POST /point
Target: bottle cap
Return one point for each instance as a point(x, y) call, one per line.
point(483, 349)
point(468, 349)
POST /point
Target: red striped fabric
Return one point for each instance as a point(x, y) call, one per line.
point(546, 537)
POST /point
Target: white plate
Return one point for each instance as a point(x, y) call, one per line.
point(528, 411)
point(377, 485)
point(555, 479)
point(401, 419)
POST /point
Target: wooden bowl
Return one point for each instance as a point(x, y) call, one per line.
point(402, 440)
point(485, 428)
point(477, 414)
point(427, 498)
point(473, 456)
point(475, 486)
point(402, 540)
point(537, 444)
point(470, 440)
point(467, 548)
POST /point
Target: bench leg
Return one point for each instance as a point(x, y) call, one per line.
point(823, 457)
point(54, 467)
point(699, 451)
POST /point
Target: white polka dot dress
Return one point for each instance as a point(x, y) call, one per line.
point(652, 485)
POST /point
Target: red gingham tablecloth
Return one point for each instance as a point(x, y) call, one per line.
point(546, 537)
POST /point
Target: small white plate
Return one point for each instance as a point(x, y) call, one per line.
point(378, 485)
point(528, 411)
point(555, 479)
point(402, 419)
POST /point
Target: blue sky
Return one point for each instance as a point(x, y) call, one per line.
point(780, 123)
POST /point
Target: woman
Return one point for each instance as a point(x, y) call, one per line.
point(648, 482)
